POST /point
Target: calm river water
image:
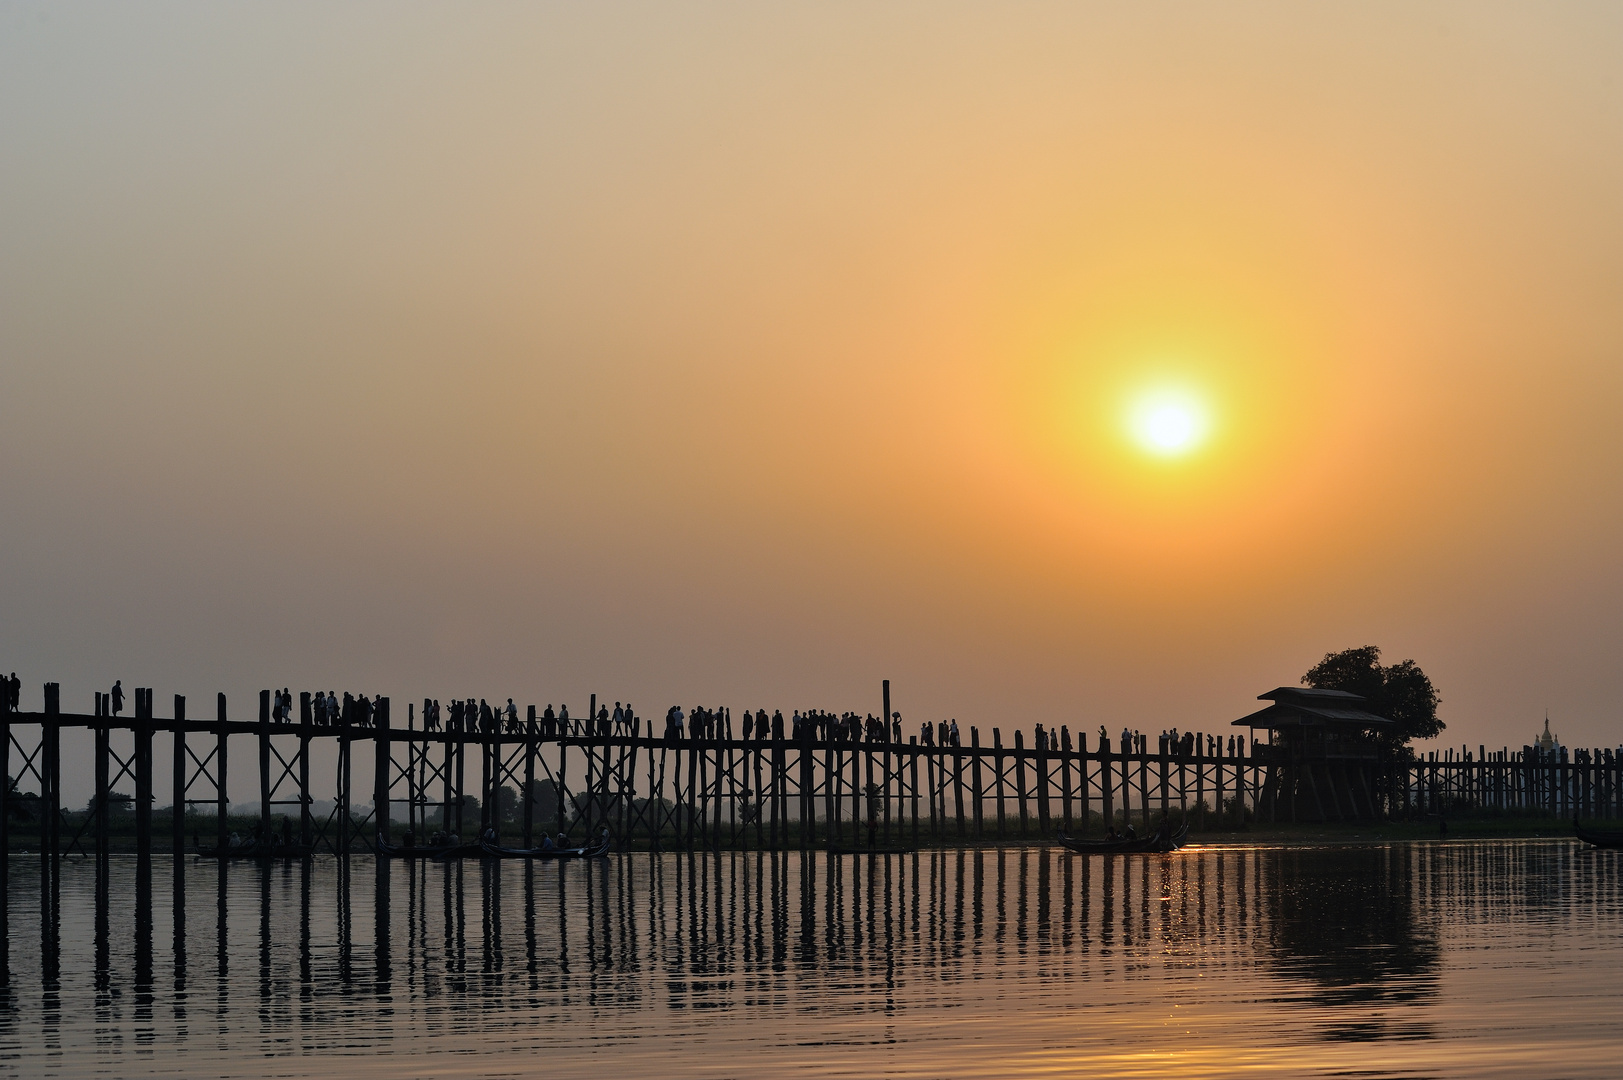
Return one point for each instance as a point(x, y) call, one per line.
point(1411, 960)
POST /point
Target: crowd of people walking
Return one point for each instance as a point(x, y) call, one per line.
point(329, 709)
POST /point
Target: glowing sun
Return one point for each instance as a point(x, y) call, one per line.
point(1168, 422)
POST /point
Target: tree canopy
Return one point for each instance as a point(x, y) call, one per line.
point(1400, 692)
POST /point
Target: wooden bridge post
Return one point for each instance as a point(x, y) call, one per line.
point(345, 786)
point(697, 777)
point(700, 785)
point(381, 749)
point(831, 800)
point(1183, 784)
point(717, 786)
point(591, 764)
point(1128, 756)
point(889, 757)
point(413, 826)
point(890, 775)
point(934, 778)
point(760, 790)
point(496, 751)
point(782, 769)
point(774, 771)
point(563, 773)
point(1144, 783)
point(1257, 777)
point(1166, 802)
point(50, 752)
point(913, 771)
point(1065, 779)
point(306, 830)
point(1020, 781)
point(1107, 783)
point(656, 794)
point(222, 803)
point(1042, 782)
point(628, 782)
point(857, 817)
point(486, 812)
point(864, 801)
point(808, 789)
point(976, 789)
point(998, 770)
point(1200, 781)
point(958, 789)
point(529, 777)
point(264, 763)
point(1129, 749)
point(5, 818)
point(177, 826)
point(448, 769)
point(143, 773)
point(103, 818)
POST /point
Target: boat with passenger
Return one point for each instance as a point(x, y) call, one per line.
point(254, 846)
point(440, 846)
point(550, 849)
point(1163, 840)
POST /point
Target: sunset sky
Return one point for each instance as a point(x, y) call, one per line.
point(1061, 363)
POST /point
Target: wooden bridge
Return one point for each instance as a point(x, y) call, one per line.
point(773, 790)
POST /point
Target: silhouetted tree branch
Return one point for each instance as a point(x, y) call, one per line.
point(1400, 692)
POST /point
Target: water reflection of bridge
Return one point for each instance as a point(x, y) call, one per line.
point(1349, 939)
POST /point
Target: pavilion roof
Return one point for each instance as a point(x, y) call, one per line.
point(1305, 707)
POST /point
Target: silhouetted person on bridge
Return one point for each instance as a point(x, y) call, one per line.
point(118, 696)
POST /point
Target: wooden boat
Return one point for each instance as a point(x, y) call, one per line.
point(1597, 838)
point(1158, 842)
point(591, 851)
point(427, 851)
point(253, 849)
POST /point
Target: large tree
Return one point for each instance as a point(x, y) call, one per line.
point(1400, 692)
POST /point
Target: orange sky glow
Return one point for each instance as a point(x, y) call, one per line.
point(747, 356)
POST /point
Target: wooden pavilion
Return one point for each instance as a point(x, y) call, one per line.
point(1322, 755)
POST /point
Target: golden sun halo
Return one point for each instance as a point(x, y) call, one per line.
point(1168, 422)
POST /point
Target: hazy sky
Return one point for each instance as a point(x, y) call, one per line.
point(749, 355)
